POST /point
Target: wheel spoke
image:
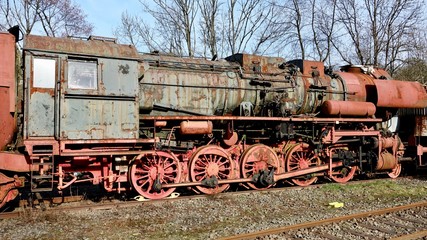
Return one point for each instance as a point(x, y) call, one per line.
point(222, 175)
point(202, 162)
point(199, 173)
point(168, 165)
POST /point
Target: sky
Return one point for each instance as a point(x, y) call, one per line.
point(105, 14)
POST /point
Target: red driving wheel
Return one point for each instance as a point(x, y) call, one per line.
point(256, 159)
point(211, 163)
point(149, 170)
point(298, 157)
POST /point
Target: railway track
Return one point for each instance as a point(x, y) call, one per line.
point(46, 203)
point(399, 223)
point(56, 203)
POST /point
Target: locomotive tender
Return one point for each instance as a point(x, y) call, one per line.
point(100, 112)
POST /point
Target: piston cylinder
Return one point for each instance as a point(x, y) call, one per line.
point(195, 127)
point(386, 161)
point(343, 108)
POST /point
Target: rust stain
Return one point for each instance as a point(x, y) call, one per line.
point(399, 94)
point(80, 47)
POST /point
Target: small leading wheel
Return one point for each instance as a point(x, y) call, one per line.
point(298, 157)
point(343, 174)
point(395, 172)
point(209, 164)
point(150, 170)
point(259, 159)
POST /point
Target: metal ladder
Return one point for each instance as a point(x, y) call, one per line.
point(45, 173)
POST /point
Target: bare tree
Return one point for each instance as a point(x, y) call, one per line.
point(270, 32)
point(243, 26)
point(209, 11)
point(19, 12)
point(174, 21)
point(244, 21)
point(323, 27)
point(292, 27)
point(55, 17)
point(379, 30)
point(63, 18)
point(129, 29)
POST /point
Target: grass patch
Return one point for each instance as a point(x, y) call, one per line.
point(384, 189)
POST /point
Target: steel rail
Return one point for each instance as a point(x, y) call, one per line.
point(326, 221)
point(416, 235)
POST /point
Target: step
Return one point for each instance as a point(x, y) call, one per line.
point(43, 164)
point(36, 177)
point(41, 190)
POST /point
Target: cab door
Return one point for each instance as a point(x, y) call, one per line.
point(41, 94)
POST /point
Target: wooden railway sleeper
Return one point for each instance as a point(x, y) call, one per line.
point(359, 233)
point(326, 235)
point(398, 225)
point(412, 220)
point(377, 228)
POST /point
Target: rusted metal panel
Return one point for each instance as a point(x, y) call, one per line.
point(108, 110)
point(358, 85)
point(14, 162)
point(7, 70)
point(310, 68)
point(7, 88)
point(41, 112)
point(40, 75)
point(346, 108)
point(118, 78)
point(45, 145)
point(399, 94)
point(172, 86)
point(80, 47)
point(7, 121)
point(257, 64)
point(99, 118)
point(175, 86)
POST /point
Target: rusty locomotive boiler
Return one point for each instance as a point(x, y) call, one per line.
point(100, 112)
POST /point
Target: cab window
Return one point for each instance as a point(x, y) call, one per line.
point(82, 74)
point(44, 73)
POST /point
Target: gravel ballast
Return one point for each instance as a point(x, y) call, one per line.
point(216, 216)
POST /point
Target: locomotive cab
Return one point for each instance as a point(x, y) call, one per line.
point(78, 90)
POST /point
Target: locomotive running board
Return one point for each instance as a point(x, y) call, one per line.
point(241, 118)
point(277, 177)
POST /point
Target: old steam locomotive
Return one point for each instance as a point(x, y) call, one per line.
point(99, 112)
